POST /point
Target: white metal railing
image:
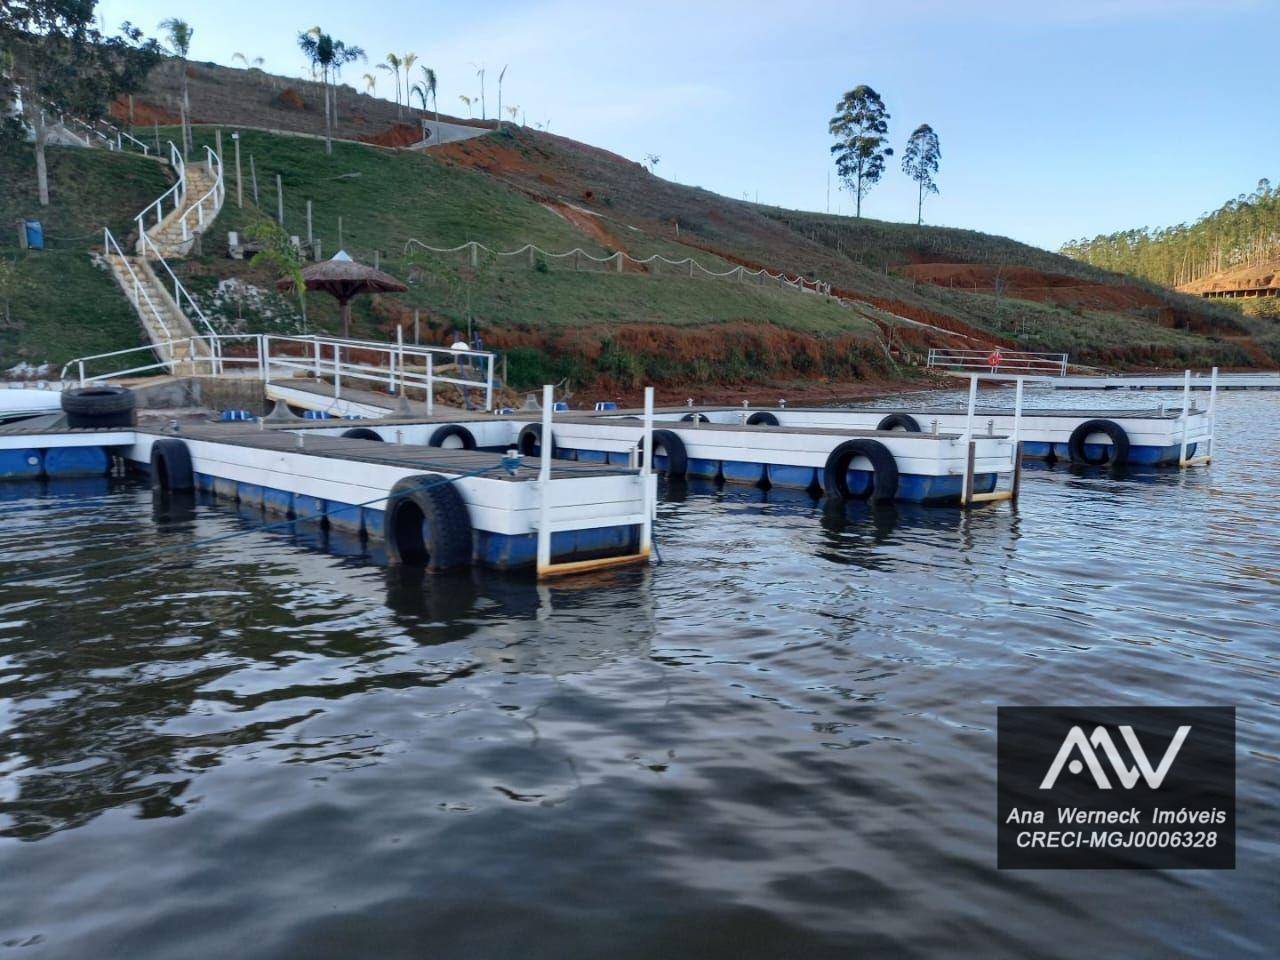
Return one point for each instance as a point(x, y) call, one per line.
point(180, 293)
point(545, 527)
point(213, 197)
point(997, 361)
point(397, 366)
point(136, 289)
point(178, 192)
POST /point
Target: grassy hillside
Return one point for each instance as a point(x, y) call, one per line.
point(63, 305)
point(589, 325)
point(872, 260)
point(515, 186)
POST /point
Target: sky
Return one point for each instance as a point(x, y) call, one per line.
point(1057, 120)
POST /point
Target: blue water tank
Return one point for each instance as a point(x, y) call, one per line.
point(35, 234)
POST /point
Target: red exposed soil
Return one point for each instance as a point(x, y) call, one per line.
point(291, 99)
point(1027, 283)
point(396, 135)
point(145, 113)
point(1263, 276)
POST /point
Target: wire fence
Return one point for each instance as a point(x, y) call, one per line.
point(534, 257)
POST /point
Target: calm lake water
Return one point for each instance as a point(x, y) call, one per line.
point(778, 743)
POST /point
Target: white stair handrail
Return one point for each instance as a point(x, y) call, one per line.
point(139, 288)
point(180, 292)
point(214, 196)
point(178, 192)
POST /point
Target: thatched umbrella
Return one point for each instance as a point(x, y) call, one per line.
point(344, 278)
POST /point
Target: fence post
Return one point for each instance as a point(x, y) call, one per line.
point(416, 339)
point(618, 257)
point(475, 254)
point(310, 237)
point(531, 256)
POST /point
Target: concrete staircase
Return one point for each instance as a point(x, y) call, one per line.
point(172, 320)
point(167, 327)
point(176, 234)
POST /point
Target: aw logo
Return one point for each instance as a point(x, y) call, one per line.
point(1115, 787)
point(1100, 740)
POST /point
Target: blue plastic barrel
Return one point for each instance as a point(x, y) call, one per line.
point(35, 234)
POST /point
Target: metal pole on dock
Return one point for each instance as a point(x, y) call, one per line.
point(488, 390)
point(337, 371)
point(966, 493)
point(1213, 397)
point(399, 359)
point(1017, 441)
point(1186, 415)
point(280, 199)
point(646, 528)
point(544, 480)
point(431, 393)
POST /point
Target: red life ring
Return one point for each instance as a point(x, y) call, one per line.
point(994, 358)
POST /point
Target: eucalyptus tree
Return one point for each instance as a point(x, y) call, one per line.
point(62, 64)
point(920, 162)
point(861, 127)
point(328, 56)
point(178, 34)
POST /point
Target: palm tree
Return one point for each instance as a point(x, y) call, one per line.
point(480, 74)
point(500, 76)
point(178, 34)
point(429, 82)
point(468, 101)
point(514, 111)
point(407, 62)
point(255, 63)
point(371, 83)
point(328, 55)
point(392, 65)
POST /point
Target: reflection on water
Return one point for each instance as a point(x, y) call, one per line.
point(777, 742)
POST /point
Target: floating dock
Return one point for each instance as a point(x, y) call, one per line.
point(1153, 437)
point(557, 517)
